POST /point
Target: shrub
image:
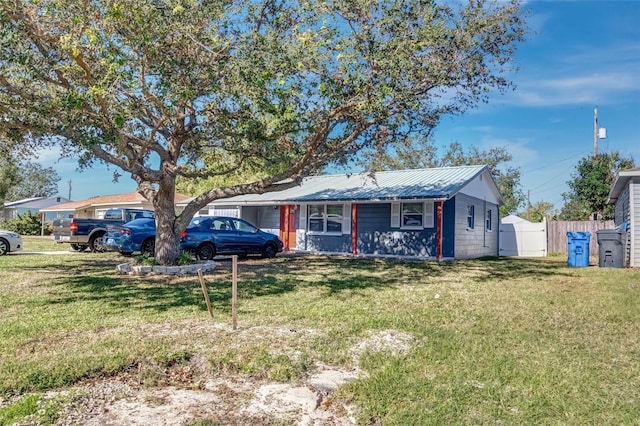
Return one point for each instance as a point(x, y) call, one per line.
point(25, 224)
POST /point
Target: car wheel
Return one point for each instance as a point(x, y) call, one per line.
point(206, 251)
point(269, 251)
point(4, 247)
point(95, 243)
point(78, 247)
point(149, 246)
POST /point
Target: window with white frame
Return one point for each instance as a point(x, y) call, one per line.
point(326, 218)
point(471, 216)
point(489, 225)
point(413, 215)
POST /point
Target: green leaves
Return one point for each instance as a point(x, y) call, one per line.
point(282, 88)
point(591, 183)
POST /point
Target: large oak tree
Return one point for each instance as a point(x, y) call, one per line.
point(192, 89)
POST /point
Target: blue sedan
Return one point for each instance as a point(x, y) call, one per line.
point(137, 235)
point(208, 236)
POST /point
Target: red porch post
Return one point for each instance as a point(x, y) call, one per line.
point(284, 226)
point(439, 222)
point(354, 228)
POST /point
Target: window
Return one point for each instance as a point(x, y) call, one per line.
point(470, 216)
point(326, 218)
point(488, 226)
point(243, 226)
point(412, 215)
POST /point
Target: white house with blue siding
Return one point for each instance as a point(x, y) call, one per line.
point(437, 213)
point(35, 206)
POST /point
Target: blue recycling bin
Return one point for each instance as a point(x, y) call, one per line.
point(578, 248)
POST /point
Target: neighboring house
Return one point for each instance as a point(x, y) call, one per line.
point(439, 213)
point(35, 206)
point(625, 195)
point(520, 237)
point(96, 207)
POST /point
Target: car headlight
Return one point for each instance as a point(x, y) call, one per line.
point(12, 235)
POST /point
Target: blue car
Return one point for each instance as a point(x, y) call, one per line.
point(139, 235)
point(208, 236)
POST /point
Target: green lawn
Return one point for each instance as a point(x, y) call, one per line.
point(45, 243)
point(493, 341)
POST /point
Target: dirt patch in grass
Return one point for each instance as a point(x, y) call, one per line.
point(196, 393)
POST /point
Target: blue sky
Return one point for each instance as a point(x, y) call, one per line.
point(579, 55)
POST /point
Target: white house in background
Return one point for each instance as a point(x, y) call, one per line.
point(97, 206)
point(519, 237)
point(625, 195)
point(35, 206)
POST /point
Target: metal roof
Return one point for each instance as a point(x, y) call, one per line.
point(37, 202)
point(623, 177)
point(434, 183)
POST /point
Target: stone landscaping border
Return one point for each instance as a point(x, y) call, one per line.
point(129, 269)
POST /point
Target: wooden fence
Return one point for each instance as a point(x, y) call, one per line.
point(557, 233)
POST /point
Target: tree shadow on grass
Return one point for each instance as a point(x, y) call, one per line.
point(96, 280)
point(512, 268)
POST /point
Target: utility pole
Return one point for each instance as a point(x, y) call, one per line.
point(69, 189)
point(595, 132)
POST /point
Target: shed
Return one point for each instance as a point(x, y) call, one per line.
point(520, 237)
point(435, 213)
point(625, 195)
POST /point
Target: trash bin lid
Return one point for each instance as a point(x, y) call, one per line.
point(578, 235)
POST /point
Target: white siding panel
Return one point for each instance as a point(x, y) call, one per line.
point(473, 243)
point(634, 203)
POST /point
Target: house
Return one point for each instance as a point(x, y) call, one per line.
point(437, 213)
point(96, 207)
point(625, 195)
point(35, 206)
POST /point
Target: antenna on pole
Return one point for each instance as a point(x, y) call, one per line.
point(595, 132)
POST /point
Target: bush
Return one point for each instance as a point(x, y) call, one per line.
point(25, 224)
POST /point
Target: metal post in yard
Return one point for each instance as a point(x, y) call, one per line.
point(234, 292)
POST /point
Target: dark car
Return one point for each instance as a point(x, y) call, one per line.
point(137, 235)
point(208, 236)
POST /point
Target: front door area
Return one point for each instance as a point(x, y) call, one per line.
point(288, 226)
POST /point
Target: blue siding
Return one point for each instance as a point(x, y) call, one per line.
point(376, 236)
point(329, 243)
point(449, 228)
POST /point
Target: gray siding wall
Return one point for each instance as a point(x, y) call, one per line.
point(266, 218)
point(476, 242)
point(622, 209)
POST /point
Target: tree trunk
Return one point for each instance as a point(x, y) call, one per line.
point(167, 231)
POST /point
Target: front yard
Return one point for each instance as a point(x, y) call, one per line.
point(494, 341)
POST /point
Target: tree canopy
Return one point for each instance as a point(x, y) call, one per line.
point(412, 153)
point(32, 180)
point(590, 185)
point(199, 89)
